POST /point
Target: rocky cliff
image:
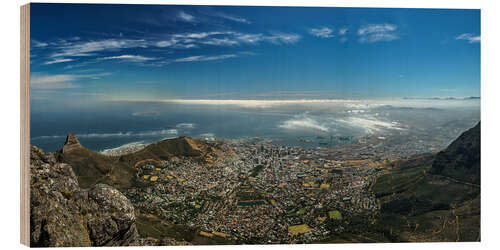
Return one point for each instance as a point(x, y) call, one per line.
point(63, 214)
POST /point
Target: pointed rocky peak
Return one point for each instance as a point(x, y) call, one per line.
point(71, 140)
point(71, 144)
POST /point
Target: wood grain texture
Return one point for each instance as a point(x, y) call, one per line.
point(25, 123)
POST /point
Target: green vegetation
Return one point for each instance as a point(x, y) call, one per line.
point(301, 212)
point(398, 181)
point(67, 194)
point(335, 215)
point(299, 229)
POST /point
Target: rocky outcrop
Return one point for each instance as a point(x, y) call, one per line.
point(71, 144)
point(90, 167)
point(63, 214)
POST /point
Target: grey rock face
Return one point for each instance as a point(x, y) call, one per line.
point(111, 220)
point(63, 214)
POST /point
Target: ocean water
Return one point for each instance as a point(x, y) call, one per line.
point(108, 125)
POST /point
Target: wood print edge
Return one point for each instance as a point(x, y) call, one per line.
point(25, 122)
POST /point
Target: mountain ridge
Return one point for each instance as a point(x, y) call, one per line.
point(92, 167)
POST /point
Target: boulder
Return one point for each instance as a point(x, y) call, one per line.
point(63, 214)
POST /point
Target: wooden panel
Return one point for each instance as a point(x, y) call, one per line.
point(25, 123)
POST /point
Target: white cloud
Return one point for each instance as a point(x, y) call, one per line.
point(184, 43)
point(208, 135)
point(303, 122)
point(87, 48)
point(377, 33)
point(39, 44)
point(185, 125)
point(51, 78)
point(283, 38)
point(248, 53)
point(227, 38)
point(376, 28)
point(370, 124)
point(189, 40)
point(249, 38)
point(58, 60)
point(67, 50)
point(204, 34)
point(146, 113)
point(63, 50)
point(132, 58)
point(60, 81)
point(166, 43)
point(323, 32)
point(186, 17)
point(469, 37)
point(251, 103)
point(221, 42)
point(233, 18)
point(343, 31)
point(205, 58)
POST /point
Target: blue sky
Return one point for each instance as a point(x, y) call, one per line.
point(147, 52)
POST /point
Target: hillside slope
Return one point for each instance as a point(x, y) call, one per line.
point(91, 167)
point(461, 160)
point(436, 201)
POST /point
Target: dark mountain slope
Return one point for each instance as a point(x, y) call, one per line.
point(436, 201)
point(462, 159)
